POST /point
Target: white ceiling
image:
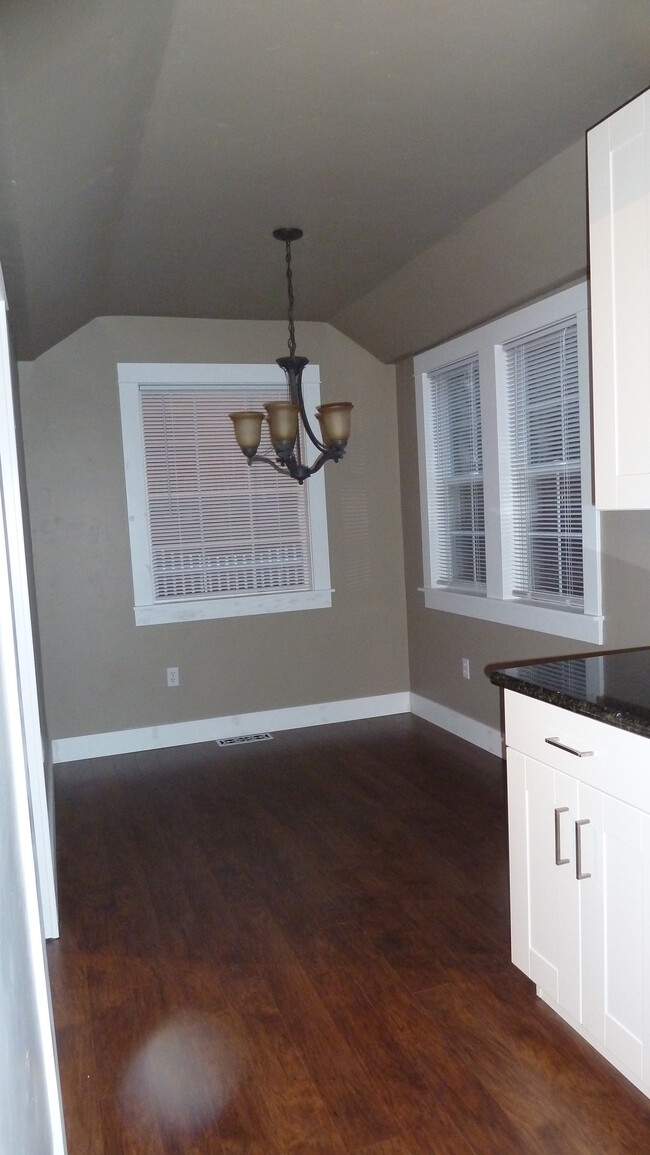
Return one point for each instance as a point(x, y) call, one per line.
point(148, 148)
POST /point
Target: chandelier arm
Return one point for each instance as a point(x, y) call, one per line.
point(294, 469)
point(293, 368)
point(326, 455)
point(260, 459)
point(305, 420)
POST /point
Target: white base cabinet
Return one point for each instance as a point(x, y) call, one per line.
point(579, 829)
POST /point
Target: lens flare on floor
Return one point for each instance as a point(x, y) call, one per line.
point(183, 1076)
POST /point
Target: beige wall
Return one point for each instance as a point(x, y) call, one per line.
point(496, 273)
point(101, 672)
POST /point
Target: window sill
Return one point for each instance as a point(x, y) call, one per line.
point(200, 609)
point(543, 619)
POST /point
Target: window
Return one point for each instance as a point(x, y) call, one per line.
point(210, 535)
point(509, 531)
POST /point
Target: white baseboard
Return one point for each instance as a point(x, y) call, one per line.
point(210, 729)
point(459, 724)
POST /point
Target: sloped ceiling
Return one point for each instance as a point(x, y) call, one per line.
point(148, 148)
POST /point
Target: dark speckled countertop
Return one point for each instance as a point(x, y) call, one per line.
point(613, 688)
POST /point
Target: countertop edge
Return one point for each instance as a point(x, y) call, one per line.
point(600, 712)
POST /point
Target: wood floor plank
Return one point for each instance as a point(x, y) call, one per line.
point(409, 1097)
point(454, 1096)
point(69, 985)
point(518, 1048)
point(389, 1147)
point(297, 1111)
point(84, 1124)
point(337, 1069)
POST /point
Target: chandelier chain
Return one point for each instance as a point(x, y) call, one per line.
point(292, 330)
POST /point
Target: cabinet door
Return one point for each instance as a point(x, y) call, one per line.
point(619, 233)
point(545, 899)
point(615, 929)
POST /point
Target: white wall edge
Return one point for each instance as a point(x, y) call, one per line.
point(210, 729)
point(459, 724)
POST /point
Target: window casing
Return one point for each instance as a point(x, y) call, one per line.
point(210, 535)
point(530, 462)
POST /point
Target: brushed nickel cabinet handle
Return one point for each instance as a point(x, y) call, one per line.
point(569, 749)
point(559, 861)
point(580, 874)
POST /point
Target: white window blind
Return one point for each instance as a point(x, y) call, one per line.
point(544, 408)
point(217, 527)
point(457, 491)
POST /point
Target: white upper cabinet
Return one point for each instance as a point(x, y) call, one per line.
point(619, 233)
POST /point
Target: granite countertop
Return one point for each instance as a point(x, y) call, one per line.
point(613, 687)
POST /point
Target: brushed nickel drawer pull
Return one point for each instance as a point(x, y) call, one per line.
point(559, 861)
point(579, 871)
point(569, 749)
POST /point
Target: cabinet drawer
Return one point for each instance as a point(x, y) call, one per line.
point(614, 761)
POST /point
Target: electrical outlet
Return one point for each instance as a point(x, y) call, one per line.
point(465, 667)
point(172, 676)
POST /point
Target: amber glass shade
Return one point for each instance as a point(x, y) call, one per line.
point(335, 422)
point(248, 430)
point(282, 417)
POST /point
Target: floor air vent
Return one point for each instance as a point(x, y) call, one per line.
point(241, 739)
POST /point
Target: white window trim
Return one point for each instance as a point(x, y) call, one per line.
point(498, 605)
point(148, 612)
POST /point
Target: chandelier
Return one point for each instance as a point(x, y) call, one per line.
point(284, 417)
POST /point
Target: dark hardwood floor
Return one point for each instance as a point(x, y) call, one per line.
point(302, 946)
